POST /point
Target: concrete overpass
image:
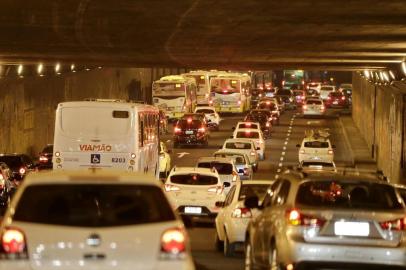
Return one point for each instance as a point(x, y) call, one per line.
point(134, 41)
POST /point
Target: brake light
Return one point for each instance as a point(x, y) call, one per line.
point(13, 241)
point(173, 241)
point(295, 218)
point(241, 213)
point(329, 98)
point(252, 153)
point(215, 189)
point(322, 108)
point(201, 130)
point(330, 152)
point(189, 120)
point(283, 82)
point(22, 170)
point(343, 98)
point(268, 102)
point(235, 176)
point(267, 124)
point(304, 107)
point(248, 124)
point(177, 130)
point(169, 187)
point(239, 102)
point(302, 151)
point(394, 225)
point(43, 159)
point(211, 102)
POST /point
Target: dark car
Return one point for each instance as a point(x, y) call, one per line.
point(190, 132)
point(256, 95)
point(264, 120)
point(337, 100)
point(6, 185)
point(195, 116)
point(19, 164)
point(348, 94)
point(300, 96)
point(287, 97)
point(45, 157)
point(273, 108)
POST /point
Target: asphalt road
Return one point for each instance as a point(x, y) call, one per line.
point(281, 151)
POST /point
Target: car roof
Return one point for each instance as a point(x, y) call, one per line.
point(215, 159)
point(188, 170)
point(92, 176)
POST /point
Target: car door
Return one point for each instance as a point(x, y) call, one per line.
point(221, 217)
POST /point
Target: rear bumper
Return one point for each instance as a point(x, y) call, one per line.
point(313, 157)
point(190, 139)
point(301, 253)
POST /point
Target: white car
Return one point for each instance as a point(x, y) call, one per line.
point(256, 136)
point(164, 160)
point(316, 149)
point(225, 167)
point(244, 146)
point(195, 191)
point(313, 107)
point(233, 218)
point(241, 162)
point(247, 124)
point(325, 90)
point(213, 118)
point(92, 220)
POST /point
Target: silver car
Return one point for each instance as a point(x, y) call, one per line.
point(327, 219)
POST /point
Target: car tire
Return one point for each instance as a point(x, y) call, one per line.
point(218, 244)
point(228, 248)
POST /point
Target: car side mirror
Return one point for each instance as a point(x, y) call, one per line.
point(252, 202)
point(219, 204)
point(297, 145)
point(226, 184)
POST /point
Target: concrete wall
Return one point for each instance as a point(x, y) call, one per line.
point(27, 105)
point(378, 113)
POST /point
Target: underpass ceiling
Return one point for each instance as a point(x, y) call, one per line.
point(253, 34)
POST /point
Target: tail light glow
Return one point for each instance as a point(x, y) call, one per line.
point(394, 225)
point(215, 189)
point(173, 241)
point(246, 171)
point(343, 98)
point(235, 176)
point(177, 130)
point(169, 188)
point(252, 153)
point(201, 130)
point(295, 218)
point(43, 159)
point(239, 102)
point(13, 241)
point(304, 107)
point(322, 108)
point(330, 152)
point(267, 124)
point(241, 213)
point(302, 151)
point(22, 170)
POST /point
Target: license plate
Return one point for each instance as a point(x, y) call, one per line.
point(343, 228)
point(193, 210)
point(189, 132)
point(225, 102)
point(335, 102)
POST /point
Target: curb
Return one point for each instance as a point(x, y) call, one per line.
point(347, 140)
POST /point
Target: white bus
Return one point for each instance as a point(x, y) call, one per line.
point(106, 134)
point(202, 78)
point(231, 92)
point(175, 95)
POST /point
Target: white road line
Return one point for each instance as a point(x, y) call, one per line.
point(283, 153)
point(276, 176)
point(281, 159)
point(284, 148)
point(280, 164)
point(288, 135)
point(279, 170)
point(286, 142)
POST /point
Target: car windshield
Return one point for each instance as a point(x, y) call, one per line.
point(189, 124)
point(205, 111)
point(222, 168)
point(238, 145)
point(194, 179)
point(351, 194)
point(251, 190)
point(314, 102)
point(13, 162)
point(91, 205)
point(316, 144)
point(248, 134)
point(267, 105)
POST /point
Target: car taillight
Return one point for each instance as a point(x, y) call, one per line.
point(252, 153)
point(329, 98)
point(177, 130)
point(201, 130)
point(173, 242)
point(239, 102)
point(330, 152)
point(267, 124)
point(302, 151)
point(235, 176)
point(2, 182)
point(295, 218)
point(13, 242)
point(394, 225)
point(343, 98)
point(322, 108)
point(304, 107)
point(43, 159)
point(169, 187)
point(215, 189)
point(22, 170)
point(241, 213)
point(246, 171)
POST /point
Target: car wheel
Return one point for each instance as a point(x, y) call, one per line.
point(219, 245)
point(273, 259)
point(248, 257)
point(229, 248)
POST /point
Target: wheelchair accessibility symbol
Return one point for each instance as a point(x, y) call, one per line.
point(95, 158)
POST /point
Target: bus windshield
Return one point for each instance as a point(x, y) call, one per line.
point(225, 86)
point(168, 89)
point(96, 121)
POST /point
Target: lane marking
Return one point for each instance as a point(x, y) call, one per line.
point(286, 142)
point(288, 135)
point(284, 148)
point(279, 170)
point(276, 176)
point(181, 155)
point(283, 153)
point(280, 164)
point(281, 159)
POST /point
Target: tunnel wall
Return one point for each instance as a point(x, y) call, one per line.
point(27, 105)
point(378, 112)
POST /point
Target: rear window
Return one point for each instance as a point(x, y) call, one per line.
point(238, 145)
point(238, 159)
point(93, 205)
point(194, 179)
point(48, 149)
point(315, 102)
point(348, 195)
point(254, 126)
point(335, 94)
point(284, 92)
point(189, 124)
point(222, 168)
point(248, 134)
point(326, 88)
point(316, 144)
point(205, 111)
point(247, 191)
point(265, 105)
